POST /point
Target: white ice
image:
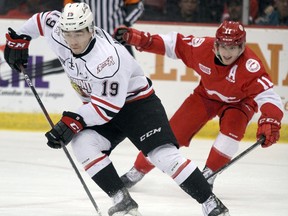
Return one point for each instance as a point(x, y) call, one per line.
point(38, 181)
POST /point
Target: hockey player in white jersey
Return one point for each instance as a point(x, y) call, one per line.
point(118, 102)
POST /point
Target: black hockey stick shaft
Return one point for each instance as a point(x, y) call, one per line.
point(29, 83)
point(241, 155)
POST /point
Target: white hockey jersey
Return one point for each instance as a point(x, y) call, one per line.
point(105, 75)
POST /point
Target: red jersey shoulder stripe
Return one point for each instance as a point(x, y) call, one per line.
point(38, 18)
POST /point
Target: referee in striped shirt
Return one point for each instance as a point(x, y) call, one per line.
point(111, 14)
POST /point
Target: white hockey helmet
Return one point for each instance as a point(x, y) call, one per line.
point(76, 16)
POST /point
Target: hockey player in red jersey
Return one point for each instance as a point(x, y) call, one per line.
point(234, 86)
point(118, 102)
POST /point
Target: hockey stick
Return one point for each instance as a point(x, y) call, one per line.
point(259, 142)
point(29, 83)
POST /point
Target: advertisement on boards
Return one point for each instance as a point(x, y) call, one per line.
point(172, 80)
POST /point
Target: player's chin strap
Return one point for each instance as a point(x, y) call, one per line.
point(29, 83)
point(217, 53)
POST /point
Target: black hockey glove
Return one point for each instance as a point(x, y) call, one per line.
point(118, 34)
point(130, 36)
point(64, 130)
point(16, 49)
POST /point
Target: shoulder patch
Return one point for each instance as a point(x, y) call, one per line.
point(196, 41)
point(252, 65)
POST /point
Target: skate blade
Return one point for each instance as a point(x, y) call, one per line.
point(226, 214)
point(132, 212)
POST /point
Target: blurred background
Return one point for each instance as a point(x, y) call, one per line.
point(252, 12)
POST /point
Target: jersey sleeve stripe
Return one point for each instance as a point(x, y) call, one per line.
point(39, 24)
point(142, 95)
point(109, 113)
point(107, 119)
point(101, 102)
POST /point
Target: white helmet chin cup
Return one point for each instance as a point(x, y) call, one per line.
point(76, 16)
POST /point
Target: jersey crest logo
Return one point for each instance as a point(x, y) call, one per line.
point(252, 65)
point(196, 41)
point(82, 87)
point(108, 62)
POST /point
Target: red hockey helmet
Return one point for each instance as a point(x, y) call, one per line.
point(230, 33)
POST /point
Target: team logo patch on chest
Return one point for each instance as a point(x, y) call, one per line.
point(252, 65)
point(205, 69)
point(108, 62)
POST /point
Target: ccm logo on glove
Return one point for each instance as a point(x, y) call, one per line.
point(70, 124)
point(75, 127)
point(74, 121)
point(16, 49)
point(270, 128)
point(269, 120)
point(17, 45)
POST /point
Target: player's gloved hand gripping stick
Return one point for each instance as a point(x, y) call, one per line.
point(16, 55)
point(64, 130)
point(270, 127)
point(16, 49)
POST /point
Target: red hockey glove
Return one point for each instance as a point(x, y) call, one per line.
point(64, 130)
point(270, 128)
point(139, 39)
point(16, 49)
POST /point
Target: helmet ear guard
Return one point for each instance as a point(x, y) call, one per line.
point(76, 16)
point(231, 34)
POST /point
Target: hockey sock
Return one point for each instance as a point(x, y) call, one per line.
point(108, 180)
point(197, 186)
point(142, 164)
point(216, 160)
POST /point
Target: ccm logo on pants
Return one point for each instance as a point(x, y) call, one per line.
point(150, 133)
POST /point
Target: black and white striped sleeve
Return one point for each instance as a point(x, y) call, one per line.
point(134, 10)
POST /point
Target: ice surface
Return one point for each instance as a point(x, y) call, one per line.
point(38, 181)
